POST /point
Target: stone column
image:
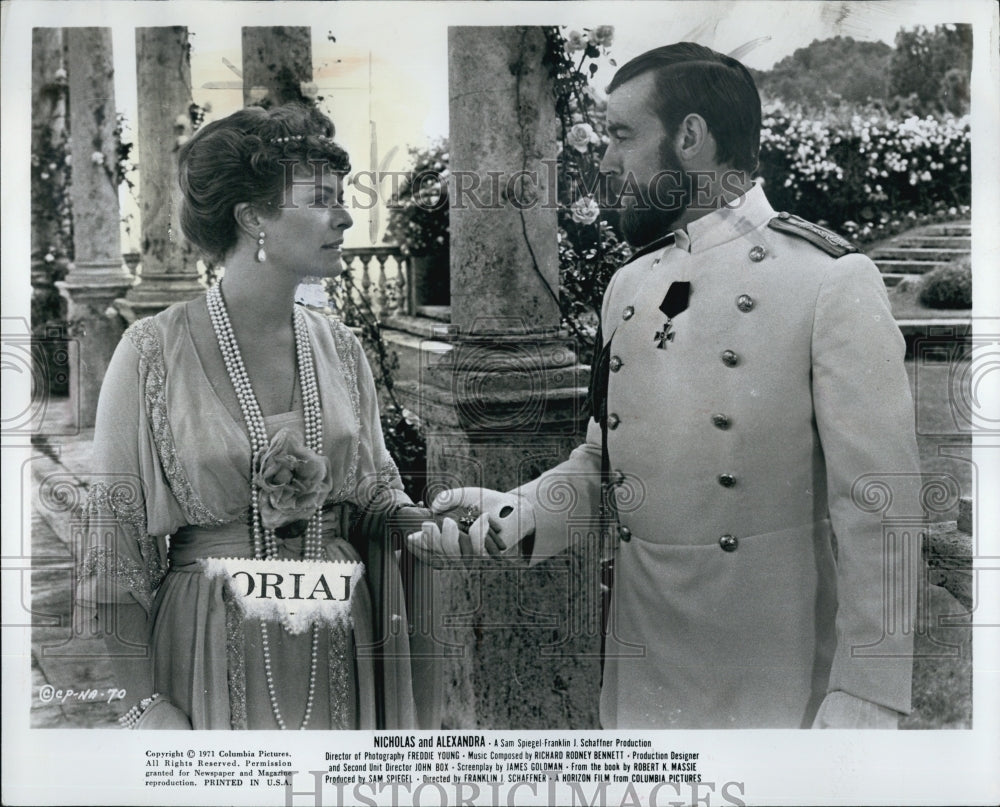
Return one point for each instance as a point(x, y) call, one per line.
point(277, 62)
point(97, 275)
point(507, 401)
point(277, 69)
point(169, 265)
point(51, 225)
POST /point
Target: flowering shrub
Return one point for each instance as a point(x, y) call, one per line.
point(859, 173)
point(948, 286)
point(418, 210)
point(590, 247)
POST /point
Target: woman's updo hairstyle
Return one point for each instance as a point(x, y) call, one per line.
point(242, 158)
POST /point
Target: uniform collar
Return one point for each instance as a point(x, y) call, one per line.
point(743, 215)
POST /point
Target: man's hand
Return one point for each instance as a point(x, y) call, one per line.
point(496, 522)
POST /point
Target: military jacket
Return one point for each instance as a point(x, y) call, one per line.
point(754, 572)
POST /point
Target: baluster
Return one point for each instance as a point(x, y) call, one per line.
point(402, 291)
point(383, 287)
point(366, 280)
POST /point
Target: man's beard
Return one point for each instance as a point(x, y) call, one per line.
point(649, 212)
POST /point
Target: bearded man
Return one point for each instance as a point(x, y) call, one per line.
point(749, 383)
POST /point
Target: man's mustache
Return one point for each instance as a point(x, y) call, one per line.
point(663, 191)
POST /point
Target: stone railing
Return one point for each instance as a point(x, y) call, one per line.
point(381, 274)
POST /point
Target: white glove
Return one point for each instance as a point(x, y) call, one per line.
point(502, 520)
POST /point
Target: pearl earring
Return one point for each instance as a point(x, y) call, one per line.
point(261, 254)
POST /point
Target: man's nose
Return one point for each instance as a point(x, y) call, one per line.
point(610, 164)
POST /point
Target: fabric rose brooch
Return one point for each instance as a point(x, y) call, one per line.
point(293, 480)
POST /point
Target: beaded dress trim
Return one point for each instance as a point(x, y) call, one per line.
point(144, 337)
point(347, 346)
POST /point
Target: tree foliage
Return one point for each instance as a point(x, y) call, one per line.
point(931, 69)
point(816, 75)
point(926, 73)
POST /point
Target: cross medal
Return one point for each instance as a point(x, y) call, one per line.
point(674, 302)
point(665, 335)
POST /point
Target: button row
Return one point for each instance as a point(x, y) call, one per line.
point(728, 543)
point(744, 303)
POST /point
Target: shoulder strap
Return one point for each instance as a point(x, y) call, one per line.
point(826, 240)
point(652, 246)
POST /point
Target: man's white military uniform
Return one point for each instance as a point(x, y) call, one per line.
point(751, 576)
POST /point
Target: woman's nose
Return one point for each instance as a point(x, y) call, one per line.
point(342, 219)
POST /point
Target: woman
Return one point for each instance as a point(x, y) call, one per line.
point(244, 427)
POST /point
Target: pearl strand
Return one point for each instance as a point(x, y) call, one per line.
point(131, 717)
point(264, 540)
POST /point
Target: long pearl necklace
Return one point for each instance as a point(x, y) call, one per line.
point(265, 544)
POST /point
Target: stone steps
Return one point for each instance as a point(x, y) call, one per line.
point(936, 241)
point(951, 228)
point(894, 266)
point(920, 250)
point(905, 252)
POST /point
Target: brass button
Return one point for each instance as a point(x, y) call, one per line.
point(720, 421)
point(628, 312)
point(744, 303)
point(619, 478)
point(784, 216)
point(757, 253)
point(728, 543)
point(613, 421)
point(615, 364)
point(625, 534)
point(729, 358)
point(727, 480)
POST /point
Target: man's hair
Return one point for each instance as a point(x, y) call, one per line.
point(690, 78)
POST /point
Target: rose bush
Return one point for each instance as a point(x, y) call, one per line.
point(293, 480)
point(857, 169)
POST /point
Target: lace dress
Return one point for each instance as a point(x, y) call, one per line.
point(171, 487)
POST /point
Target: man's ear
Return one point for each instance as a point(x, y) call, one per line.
point(247, 219)
point(693, 138)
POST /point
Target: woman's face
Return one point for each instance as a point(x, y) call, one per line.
point(306, 234)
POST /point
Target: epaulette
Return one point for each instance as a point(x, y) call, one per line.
point(828, 241)
point(652, 246)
